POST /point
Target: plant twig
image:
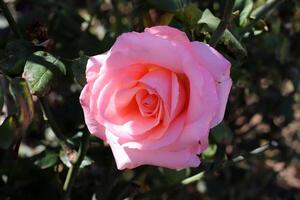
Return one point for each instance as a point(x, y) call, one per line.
point(53, 124)
point(261, 13)
point(74, 169)
point(10, 19)
point(225, 21)
point(201, 174)
point(235, 160)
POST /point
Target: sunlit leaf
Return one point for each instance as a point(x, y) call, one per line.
point(248, 6)
point(228, 39)
point(23, 99)
point(210, 151)
point(40, 71)
point(47, 160)
point(70, 157)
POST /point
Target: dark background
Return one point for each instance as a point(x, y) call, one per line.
point(263, 104)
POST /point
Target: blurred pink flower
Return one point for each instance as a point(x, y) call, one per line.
point(157, 95)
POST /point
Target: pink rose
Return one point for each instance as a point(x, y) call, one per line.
point(157, 95)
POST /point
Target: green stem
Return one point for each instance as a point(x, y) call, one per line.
point(53, 124)
point(201, 174)
point(235, 160)
point(223, 24)
point(74, 169)
point(261, 13)
point(10, 19)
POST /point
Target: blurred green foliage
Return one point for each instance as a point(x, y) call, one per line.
point(262, 43)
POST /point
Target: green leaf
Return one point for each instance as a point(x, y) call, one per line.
point(210, 151)
point(23, 99)
point(40, 71)
point(70, 157)
point(48, 160)
point(175, 176)
point(78, 68)
point(7, 98)
point(190, 15)
point(7, 132)
point(17, 52)
point(228, 39)
point(238, 4)
point(222, 133)
point(248, 6)
point(167, 5)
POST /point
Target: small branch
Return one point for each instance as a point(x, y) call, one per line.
point(223, 24)
point(201, 174)
point(53, 124)
point(235, 160)
point(10, 19)
point(192, 179)
point(74, 169)
point(262, 13)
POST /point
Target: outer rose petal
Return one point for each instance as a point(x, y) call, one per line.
point(219, 67)
point(131, 158)
point(223, 90)
point(168, 33)
point(129, 50)
point(203, 101)
point(203, 105)
point(93, 126)
point(212, 60)
point(92, 72)
point(93, 67)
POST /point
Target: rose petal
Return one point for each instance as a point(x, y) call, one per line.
point(93, 66)
point(160, 81)
point(223, 90)
point(203, 105)
point(131, 123)
point(203, 101)
point(178, 96)
point(192, 134)
point(168, 137)
point(168, 33)
point(93, 126)
point(212, 60)
point(219, 67)
point(128, 50)
point(131, 158)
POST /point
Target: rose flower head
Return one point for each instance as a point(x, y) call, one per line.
point(154, 96)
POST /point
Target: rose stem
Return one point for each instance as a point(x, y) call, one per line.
point(225, 21)
point(261, 13)
point(12, 23)
point(53, 124)
point(74, 169)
